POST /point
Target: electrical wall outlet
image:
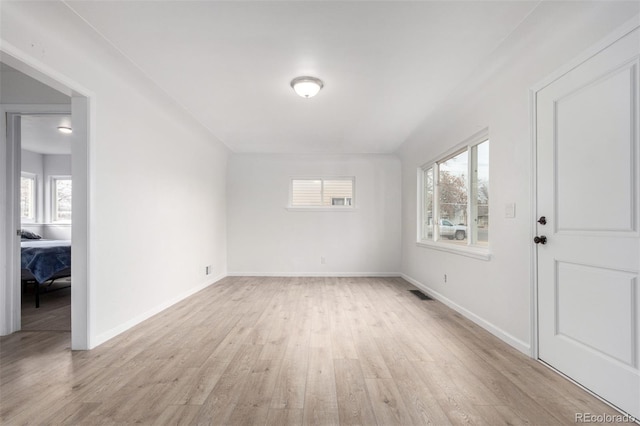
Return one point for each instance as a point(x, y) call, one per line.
point(323, 261)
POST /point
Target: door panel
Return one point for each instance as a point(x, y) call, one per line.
point(579, 319)
point(587, 170)
point(582, 141)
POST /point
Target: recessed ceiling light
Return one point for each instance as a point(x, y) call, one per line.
point(64, 129)
point(306, 86)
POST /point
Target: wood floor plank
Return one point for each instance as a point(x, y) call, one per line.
point(178, 415)
point(253, 407)
point(372, 363)
point(387, 403)
point(320, 399)
point(342, 342)
point(204, 381)
point(291, 384)
point(284, 417)
point(223, 398)
point(421, 404)
point(499, 415)
point(354, 406)
point(451, 400)
point(278, 337)
point(285, 350)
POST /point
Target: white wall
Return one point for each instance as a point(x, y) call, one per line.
point(57, 165)
point(266, 238)
point(157, 178)
point(497, 293)
point(18, 88)
point(32, 162)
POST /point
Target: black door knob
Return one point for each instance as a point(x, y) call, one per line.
point(542, 220)
point(540, 240)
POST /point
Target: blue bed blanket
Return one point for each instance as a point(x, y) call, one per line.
point(45, 258)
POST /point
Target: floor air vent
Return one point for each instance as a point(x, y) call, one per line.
point(421, 295)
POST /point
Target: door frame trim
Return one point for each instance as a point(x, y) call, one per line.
point(83, 120)
point(9, 157)
point(626, 28)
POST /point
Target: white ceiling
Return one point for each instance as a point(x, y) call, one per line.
point(39, 133)
point(386, 65)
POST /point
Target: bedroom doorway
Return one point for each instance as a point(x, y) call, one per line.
point(45, 189)
point(60, 177)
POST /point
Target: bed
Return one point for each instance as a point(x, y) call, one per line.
point(44, 261)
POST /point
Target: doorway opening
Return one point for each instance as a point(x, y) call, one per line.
point(46, 200)
point(45, 191)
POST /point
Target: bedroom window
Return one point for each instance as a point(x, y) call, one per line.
point(454, 199)
point(330, 193)
point(61, 196)
point(27, 197)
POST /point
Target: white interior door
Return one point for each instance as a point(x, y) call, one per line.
point(588, 190)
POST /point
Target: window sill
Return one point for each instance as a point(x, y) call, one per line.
point(473, 252)
point(320, 209)
point(46, 223)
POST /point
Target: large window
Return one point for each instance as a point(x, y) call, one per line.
point(28, 197)
point(61, 196)
point(454, 197)
point(322, 193)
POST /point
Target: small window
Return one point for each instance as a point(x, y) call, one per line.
point(61, 188)
point(28, 197)
point(321, 192)
point(454, 197)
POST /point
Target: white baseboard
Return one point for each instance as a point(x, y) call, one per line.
point(314, 274)
point(107, 335)
point(491, 328)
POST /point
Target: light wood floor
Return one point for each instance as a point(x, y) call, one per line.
point(54, 313)
point(288, 351)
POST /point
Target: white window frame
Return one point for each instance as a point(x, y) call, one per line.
point(52, 195)
point(471, 249)
point(34, 200)
point(332, 208)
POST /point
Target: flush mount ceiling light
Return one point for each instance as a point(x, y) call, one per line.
point(307, 87)
point(64, 129)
